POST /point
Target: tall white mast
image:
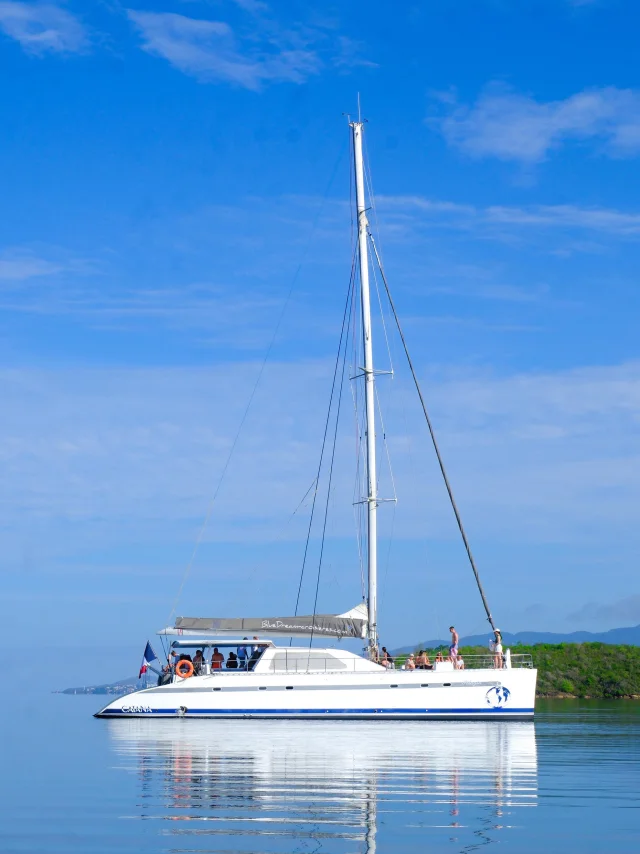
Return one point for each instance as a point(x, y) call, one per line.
point(369, 380)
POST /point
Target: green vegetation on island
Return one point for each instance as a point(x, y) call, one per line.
point(583, 670)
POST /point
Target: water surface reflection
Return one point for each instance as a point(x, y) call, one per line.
point(283, 786)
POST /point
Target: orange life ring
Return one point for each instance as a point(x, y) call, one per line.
point(189, 670)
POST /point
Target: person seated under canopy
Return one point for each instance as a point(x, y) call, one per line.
point(198, 662)
point(217, 659)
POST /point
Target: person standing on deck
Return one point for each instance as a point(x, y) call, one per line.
point(498, 662)
point(242, 656)
point(453, 649)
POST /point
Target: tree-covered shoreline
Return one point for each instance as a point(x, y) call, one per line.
point(575, 670)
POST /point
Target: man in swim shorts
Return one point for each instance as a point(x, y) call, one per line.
point(453, 649)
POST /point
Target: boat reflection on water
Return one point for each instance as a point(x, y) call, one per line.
point(351, 786)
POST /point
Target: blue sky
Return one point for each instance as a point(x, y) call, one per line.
point(171, 171)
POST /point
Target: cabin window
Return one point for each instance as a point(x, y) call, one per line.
point(300, 661)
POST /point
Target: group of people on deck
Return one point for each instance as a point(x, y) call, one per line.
point(421, 661)
point(244, 657)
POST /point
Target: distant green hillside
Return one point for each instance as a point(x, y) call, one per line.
point(596, 670)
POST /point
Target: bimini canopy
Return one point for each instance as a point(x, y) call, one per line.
point(352, 624)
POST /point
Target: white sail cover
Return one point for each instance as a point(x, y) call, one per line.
point(352, 624)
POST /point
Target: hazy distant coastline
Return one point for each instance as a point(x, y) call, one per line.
point(122, 686)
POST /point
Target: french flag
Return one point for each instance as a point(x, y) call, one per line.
point(147, 658)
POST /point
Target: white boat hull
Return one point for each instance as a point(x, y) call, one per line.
point(390, 695)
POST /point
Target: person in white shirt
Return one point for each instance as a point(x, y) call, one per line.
point(496, 647)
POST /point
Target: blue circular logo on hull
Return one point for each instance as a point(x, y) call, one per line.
point(497, 697)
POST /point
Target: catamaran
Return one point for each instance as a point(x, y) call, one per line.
point(263, 680)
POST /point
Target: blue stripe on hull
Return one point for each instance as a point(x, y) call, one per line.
point(318, 713)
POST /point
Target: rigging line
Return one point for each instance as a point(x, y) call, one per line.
point(368, 177)
point(357, 485)
point(357, 491)
point(386, 569)
point(313, 483)
point(386, 447)
point(351, 183)
point(326, 506)
point(384, 325)
point(249, 579)
point(257, 383)
point(326, 429)
point(224, 471)
point(433, 439)
point(164, 648)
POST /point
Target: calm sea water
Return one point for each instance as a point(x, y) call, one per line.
point(570, 782)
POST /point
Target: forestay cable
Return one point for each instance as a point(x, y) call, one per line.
point(326, 429)
point(433, 437)
point(331, 463)
point(255, 387)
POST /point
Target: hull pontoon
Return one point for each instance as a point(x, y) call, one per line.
point(329, 684)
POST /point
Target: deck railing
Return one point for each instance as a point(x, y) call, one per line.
point(299, 662)
point(285, 662)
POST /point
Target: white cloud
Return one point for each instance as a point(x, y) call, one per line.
point(42, 27)
point(109, 461)
point(255, 6)
point(622, 612)
point(18, 266)
point(511, 126)
point(534, 455)
point(217, 315)
point(349, 54)
point(210, 50)
point(567, 217)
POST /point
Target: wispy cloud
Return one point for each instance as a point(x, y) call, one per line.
point(181, 282)
point(132, 455)
point(216, 315)
point(622, 612)
point(210, 50)
point(512, 126)
point(19, 266)
point(253, 51)
point(459, 215)
point(349, 54)
point(42, 28)
point(543, 455)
